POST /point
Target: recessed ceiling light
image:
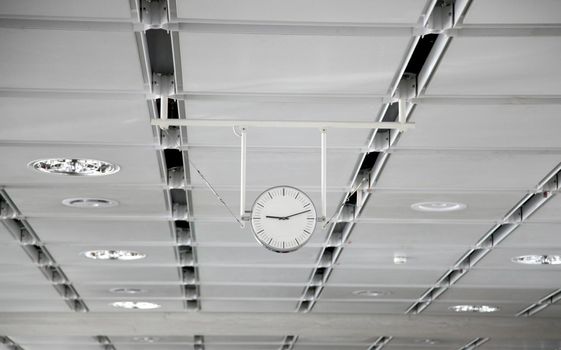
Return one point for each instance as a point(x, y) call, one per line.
point(74, 167)
point(538, 259)
point(89, 202)
point(127, 290)
point(103, 254)
point(135, 305)
point(370, 293)
point(438, 206)
point(146, 339)
point(426, 341)
point(474, 308)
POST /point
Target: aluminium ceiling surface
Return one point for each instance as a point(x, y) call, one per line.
point(75, 84)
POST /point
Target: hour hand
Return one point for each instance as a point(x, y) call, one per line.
point(276, 217)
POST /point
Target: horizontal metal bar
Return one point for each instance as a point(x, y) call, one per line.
point(506, 31)
point(293, 124)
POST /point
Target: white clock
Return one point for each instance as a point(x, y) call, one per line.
point(283, 218)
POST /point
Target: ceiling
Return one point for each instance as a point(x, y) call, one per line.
point(86, 79)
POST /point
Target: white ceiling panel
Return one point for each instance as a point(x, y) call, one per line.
point(10, 291)
point(383, 277)
point(499, 66)
point(58, 59)
point(356, 11)
point(72, 254)
point(552, 311)
point(382, 258)
point(420, 343)
point(121, 340)
point(492, 295)
point(124, 274)
point(505, 126)
point(252, 256)
point(514, 11)
point(416, 235)
point(508, 344)
point(97, 305)
point(137, 165)
point(387, 293)
point(156, 291)
point(328, 347)
point(242, 347)
point(276, 108)
point(99, 231)
point(158, 346)
point(22, 274)
point(228, 234)
point(26, 305)
point(266, 168)
point(534, 235)
point(529, 278)
point(466, 170)
point(548, 212)
point(12, 253)
point(5, 235)
point(489, 206)
point(272, 292)
point(370, 307)
point(213, 275)
point(28, 340)
point(289, 63)
point(355, 139)
point(120, 121)
point(48, 201)
point(248, 306)
point(65, 346)
point(110, 9)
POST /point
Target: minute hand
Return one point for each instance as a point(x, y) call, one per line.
point(302, 212)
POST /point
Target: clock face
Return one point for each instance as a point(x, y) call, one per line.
point(283, 218)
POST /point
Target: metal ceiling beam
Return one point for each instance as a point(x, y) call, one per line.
point(350, 326)
point(292, 124)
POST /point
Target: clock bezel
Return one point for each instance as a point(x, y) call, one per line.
point(275, 249)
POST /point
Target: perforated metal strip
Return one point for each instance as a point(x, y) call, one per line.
point(527, 206)
point(380, 343)
point(28, 240)
point(404, 86)
point(9, 343)
point(474, 344)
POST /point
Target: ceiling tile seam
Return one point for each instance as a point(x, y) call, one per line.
point(380, 343)
point(289, 342)
point(475, 343)
point(160, 86)
point(9, 343)
point(31, 244)
point(105, 342)
point(405, 86)
point(525, 208)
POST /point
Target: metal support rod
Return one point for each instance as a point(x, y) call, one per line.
point(324, 174)
point(402, 114)
point(281, 124)
point(164, 107)
point(243, 173)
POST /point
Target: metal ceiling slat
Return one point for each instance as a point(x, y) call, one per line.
point(38, 253)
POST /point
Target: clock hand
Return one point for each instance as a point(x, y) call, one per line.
point(276, 217)
point(302, 212)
